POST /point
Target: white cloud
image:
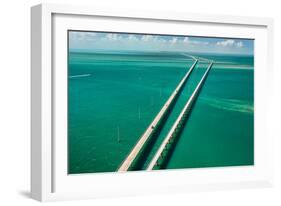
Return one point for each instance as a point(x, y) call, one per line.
point(113, 37)
point(174, 40)
point(186, 40)
point(199, 42)
point(80, 36)
point(230, 43)
point(225, 43)
point(147, 37)
point(76, 35)
point(89, 34)
point(155, 42)
point(132, 37)
point(239, 44)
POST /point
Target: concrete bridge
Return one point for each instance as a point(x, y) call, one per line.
point(179, 123)
point(127, 163)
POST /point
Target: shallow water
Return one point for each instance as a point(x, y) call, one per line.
point(114, 97)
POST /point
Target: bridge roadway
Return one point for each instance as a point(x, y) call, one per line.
point(127, 163)
point(178, 123)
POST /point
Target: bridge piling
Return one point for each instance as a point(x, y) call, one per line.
point(127, 163)
point(177, 126)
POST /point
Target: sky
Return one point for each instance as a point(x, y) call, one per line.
point(96, 41)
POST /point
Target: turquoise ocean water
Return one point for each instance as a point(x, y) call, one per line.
point(114, 96)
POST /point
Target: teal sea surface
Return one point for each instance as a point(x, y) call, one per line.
point(114, 96)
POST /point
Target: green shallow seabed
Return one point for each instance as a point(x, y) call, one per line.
point(119, 95)
point(220, 128)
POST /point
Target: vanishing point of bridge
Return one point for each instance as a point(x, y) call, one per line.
point(177, 126)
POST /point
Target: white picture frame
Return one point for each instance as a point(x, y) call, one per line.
point(49, 179)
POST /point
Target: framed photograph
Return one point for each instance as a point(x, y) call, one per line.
point(134, 102)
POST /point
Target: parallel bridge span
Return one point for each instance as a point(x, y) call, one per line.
point(127, 163)
point(177, 126)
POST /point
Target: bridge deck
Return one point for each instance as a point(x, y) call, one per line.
point(182, 116)
point(149, 131)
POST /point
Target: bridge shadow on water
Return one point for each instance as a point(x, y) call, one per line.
point(140, 162)
point(170, 148)
point(141, 159)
